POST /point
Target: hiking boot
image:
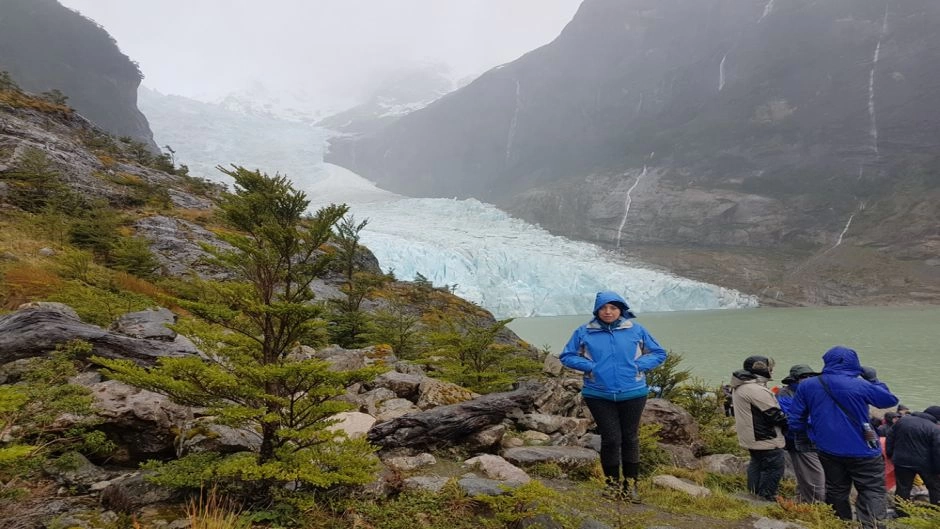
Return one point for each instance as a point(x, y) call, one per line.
point(631, 491)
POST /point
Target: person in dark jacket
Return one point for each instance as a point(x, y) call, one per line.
point(810, 478)
point(913, 444)
point(833, 409)
point(758, 422)
point(615, 353)
point(890, 418)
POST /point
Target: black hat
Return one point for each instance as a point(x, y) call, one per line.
point(934, 410)
point(759, 365)
point(799, 372)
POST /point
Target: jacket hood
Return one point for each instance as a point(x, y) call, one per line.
point(743, 376)
point(609, 296)
point(925, 415)
point(841, 360)
point(934, 411)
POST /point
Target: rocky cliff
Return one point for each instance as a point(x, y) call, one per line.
point(46, 46)
point(784, 147)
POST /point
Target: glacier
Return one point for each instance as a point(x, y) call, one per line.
point(505, 265)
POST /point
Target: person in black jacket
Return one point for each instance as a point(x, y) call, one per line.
point(913, 444)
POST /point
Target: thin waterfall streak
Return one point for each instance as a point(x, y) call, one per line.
point(767, 10)
point(721, 73)
point(626, 205)
point(512, 124)
point(845, 229)
point(872, 115)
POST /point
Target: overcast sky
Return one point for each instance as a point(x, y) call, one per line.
point(334, 48)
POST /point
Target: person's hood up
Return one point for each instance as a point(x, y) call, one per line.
point(924, 415)
point(841, 360)
point(743, 376)
point(609, 296)
point(933, 411)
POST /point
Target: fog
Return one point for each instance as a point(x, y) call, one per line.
point(334, 50)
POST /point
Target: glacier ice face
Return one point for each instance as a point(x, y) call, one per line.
point(506, 265)
point(503, 264)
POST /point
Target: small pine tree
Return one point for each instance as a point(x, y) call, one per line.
point(476, 360)
point(34, 181)
point(398, 327)
point(255, 321)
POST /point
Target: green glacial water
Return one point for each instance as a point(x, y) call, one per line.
point(902, 343)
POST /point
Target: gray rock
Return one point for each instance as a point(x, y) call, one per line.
point(205, 436)
point(495, 467)
point(176, 245)
point(131, 492)
point(487, 438)
point(552, 365)
point(475, 486)
point(677, 426)
point(143, 424)
point(75, 471)
point(46, 252)
point(566, 456)
point(404, 385)
point(393, 408)
point(407, 464)
point(429, 483)
point(36, 330)
point(769, 523)
point(433, 393)
point(724, 464)
point(681, 485)
point(150, 324)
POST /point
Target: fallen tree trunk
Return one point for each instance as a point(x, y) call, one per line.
point(447, 425)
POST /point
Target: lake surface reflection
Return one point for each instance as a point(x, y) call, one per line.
point(901, 343)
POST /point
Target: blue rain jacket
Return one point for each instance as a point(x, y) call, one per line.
point(814, 412)
point(615, 357)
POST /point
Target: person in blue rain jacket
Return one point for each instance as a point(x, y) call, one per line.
point(833, 409)
point(615, 352)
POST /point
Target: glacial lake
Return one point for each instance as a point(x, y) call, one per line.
point(902, 343)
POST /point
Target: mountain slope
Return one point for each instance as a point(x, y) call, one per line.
point(724, 125)
point(46, 46)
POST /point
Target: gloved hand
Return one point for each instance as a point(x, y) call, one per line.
point(869, 374)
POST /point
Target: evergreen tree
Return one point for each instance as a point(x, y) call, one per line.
point(252, 379)
point(476, 360)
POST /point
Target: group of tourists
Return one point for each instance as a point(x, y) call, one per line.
point(821, 420)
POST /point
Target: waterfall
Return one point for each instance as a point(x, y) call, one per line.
point(873, 122)
point(626, 205)
point(721, 73)
point(512, 124)
point(767, 9)
point(861, 207)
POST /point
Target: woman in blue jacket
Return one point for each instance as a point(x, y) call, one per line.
point(615, 352)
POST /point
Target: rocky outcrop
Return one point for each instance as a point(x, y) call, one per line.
point(83, 62)
point(721, 125)
point(38, 329)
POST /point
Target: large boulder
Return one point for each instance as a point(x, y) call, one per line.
point(143, 424)
point(37, 329)
point(677, 426)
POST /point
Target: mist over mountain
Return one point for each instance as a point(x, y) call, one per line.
point(398, 94)
point(46, 46)
point(785, 147)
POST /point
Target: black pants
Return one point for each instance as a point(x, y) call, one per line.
point(618, 424)
point(764, 472)
point(868, 476)
point(905, 481)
